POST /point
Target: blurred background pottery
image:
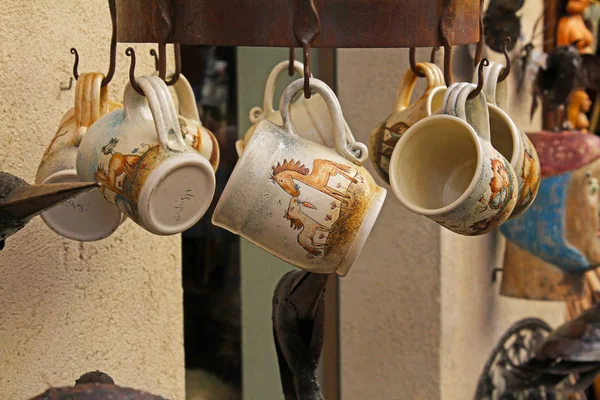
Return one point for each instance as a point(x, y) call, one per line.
point(552, 245)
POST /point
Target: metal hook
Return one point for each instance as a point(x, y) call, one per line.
point(113, 48)
point(307, 71)
point(434, 50)
point(307, 27)
point(479, 49)
point(64, 87)
point(506, 71)
point(413, 63)
point(292, 57)
point(76, 63)
point(131, 53)
point(446, 32)
point(177, 73)
point(475, 93)
point(162, 60)
point(155, 55)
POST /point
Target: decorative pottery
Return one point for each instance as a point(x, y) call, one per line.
point(554, 242)
point(509, 140)
point(309, 205)
point(194, 134)
point(445, 168)
point(88, 216)
point(404, 115)
point(145, 168)
point(311, 116)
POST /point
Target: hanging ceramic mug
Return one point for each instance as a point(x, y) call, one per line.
point(194, 134)
point(145, 168)
point(89, 216)
point(404, 114)
point(445, 168)
point(311, 116)
point(509, 140)
point(308, 204)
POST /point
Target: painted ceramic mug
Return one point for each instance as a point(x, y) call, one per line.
point(509, 140)
point(311, 116)
point(89, 216)
point(308, 204)
point(194, 134)
point(445, 167)
point(384, 138)
point(139, 157)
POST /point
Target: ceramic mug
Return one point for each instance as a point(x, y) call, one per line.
point(509, 140)
point(445, 167)
point(384, 138)
point(194, 134)
point(139, 157)
point(308, 204)
point(89, 216)
point(311, 116)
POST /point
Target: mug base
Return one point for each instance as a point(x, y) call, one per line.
point(176, 194)
point(86, 218)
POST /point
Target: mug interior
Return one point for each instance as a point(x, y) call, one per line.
point(435, 164)
point(503, 133)
point(436, 99)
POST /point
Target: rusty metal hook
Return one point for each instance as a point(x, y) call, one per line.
point(506, 71)
point(162, 60)
point(292, 57)
point(413, 63)
point(113, 48)
point(65, 87)
point(76, 63)
point(154, 54)
point(447, 34)
point(475, 93)
point(131, 53)
point(434, 50)
point(479, 49)
point(307, 27)
point(177, 73)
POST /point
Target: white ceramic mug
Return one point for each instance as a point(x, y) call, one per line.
point(308, 204)
point(509, 140)
point(311, 116)
point(89, 216)
point(139, 157)
point(383, 139)
point(445, 168)
point(194, 133)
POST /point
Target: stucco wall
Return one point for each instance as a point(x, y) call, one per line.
point(68, 307)
point(419, 314)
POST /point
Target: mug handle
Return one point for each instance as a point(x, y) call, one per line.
point(473, 111)
point(91, 102)
point(434, 79)
point(355, 152)
point(496, 92)
point(257, 113)
point(163, 111)
point(187, 101)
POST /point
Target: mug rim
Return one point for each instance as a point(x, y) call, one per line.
point(429, 98)
point(514, 131)
point(397, 154)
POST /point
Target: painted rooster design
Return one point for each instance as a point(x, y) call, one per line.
point(118, 164)
point(309, 227)
point(284, 175)
point(500, 185)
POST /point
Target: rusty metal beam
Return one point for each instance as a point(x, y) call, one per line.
point(345, 23)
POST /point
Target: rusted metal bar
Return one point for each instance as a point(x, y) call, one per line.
point(346, 23)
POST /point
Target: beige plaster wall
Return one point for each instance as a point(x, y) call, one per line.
point(419, 314)
point(69, 307)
